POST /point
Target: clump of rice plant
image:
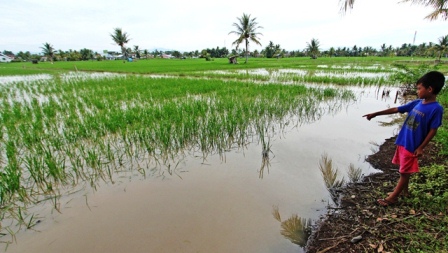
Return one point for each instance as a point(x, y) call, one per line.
point(354, 174)
point(330, 173)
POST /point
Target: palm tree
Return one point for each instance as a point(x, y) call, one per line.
point(442, 47)
point(313, 48)
point(137, 52)
point(440, 7)
point(246, 29)
point(48, 51)
point(331, 52)
point(120, 38)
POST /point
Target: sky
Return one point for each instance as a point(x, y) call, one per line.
point(25, 25)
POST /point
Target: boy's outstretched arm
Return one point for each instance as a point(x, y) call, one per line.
point(384, 112)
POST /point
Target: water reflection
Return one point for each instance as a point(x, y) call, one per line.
point(354, 75)
point(295, 228)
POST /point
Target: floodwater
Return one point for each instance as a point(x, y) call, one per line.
point(216, 205)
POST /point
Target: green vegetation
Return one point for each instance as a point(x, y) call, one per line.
point(246, 30)
point(439, 7)
point(48, 51)
point(80, 128)
point(120, 38)
point(190, 67)
point(313, 48)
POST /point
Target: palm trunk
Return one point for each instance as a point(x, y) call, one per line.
point(123, 52)
point(247, 45)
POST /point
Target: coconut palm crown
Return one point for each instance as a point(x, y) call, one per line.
point(246, 30)
point(120, 38)
point(48, 51)
point(440, 7)
point(313, 48)
point(442, 47)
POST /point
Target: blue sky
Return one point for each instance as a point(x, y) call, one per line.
point(196, 25)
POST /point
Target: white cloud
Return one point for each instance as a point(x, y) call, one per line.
point(190, 25)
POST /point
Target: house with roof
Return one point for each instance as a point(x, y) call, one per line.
point(5, 58)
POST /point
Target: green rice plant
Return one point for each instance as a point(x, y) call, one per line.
point(81, 129)
point(354, 174)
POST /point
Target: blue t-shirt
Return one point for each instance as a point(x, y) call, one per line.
point(421, 118)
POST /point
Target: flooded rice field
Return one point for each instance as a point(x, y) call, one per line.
point(247, 199)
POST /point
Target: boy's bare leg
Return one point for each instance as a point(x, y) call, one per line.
point(402, 186)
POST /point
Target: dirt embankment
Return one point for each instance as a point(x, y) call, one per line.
point(358, 224)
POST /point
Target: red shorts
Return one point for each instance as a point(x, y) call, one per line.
point(407, 161)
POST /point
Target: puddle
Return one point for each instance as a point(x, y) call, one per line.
point(218, 204)
point(6, 80)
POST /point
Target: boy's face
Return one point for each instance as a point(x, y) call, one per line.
point(423, 92)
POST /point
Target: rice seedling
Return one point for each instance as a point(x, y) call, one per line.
point(354, 174)
point(63, 131)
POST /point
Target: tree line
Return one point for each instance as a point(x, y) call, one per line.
point(313, 50)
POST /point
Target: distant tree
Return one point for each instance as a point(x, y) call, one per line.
point(61, 55)
point(313, 48)
point(440, 7)
point(128, 52)
point(120, 38)
point(25, 56)
point(442, 47)
point(73, 55)
point(7, 52)
point(86, 54)
point(176, 54)
point(331, 52)
point(145, 53)
point(354, 51)
point(48, 51)
point(246, 30)
point(137, 52)
point(269, 51)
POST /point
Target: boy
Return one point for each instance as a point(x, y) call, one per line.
point(420, 126)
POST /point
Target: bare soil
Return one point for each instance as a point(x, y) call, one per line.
point(358, 223)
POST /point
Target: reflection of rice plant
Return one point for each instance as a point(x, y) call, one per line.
point(329, 173)
point(266, 148)
point(295, 228)
point(354, 175)
point(276, 213)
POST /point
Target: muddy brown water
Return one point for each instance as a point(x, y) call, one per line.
point(215, 205)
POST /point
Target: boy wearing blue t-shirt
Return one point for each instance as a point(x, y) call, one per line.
point(420, 126)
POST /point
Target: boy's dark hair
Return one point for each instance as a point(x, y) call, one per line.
point(433, 79)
